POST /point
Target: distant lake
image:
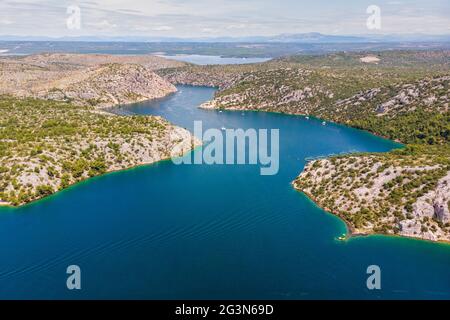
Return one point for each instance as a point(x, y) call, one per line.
point(208, 60)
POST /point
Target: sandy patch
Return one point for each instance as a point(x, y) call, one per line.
point(370, 59)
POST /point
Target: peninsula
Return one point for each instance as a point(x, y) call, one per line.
point(53, 132)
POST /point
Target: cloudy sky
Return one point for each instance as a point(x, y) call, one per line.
point(214, 18)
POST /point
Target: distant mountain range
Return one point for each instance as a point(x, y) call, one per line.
point(313, 37)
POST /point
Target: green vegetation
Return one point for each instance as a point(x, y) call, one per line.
point(376, 192)
point(401, 95)
point(46, 146)
point(416, 127)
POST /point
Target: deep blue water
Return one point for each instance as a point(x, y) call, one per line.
point(186, 232)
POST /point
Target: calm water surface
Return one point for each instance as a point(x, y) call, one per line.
point(216, 60)
point(186, 232)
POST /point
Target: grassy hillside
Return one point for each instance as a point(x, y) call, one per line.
point(46, 146)
point(401, 95)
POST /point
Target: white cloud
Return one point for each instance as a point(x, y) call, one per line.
point(237, 26)
point(190, 18)
point(208, 30)
point(6, 21)
point(162, 28)
point(103, 24)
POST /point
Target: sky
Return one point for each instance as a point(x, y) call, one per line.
point(218, 18)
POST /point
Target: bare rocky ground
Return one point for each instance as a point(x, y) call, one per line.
point(53, 132)
point(407, 196)
point(95, 80)
point(433, 94)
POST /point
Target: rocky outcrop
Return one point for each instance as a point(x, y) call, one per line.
point(109, 85)
point(430, 214)
point(436, 202)
point(430, 94)
point(287, 90)
point(380, 194)
point(370, 59)
point(82, 80)
point(61, 144)
point(58, 139)
point(192, 77)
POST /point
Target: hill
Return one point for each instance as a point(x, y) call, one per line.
point(400, 95)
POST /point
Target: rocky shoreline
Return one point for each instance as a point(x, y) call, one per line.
point(404, 193)
point(61, 135)
point(109, 143)
point(430, 220)
point(352, 233)
point(182, 139)
point(404, 107)
point(366, 201)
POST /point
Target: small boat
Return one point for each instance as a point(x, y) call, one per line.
point(324, 123)
point(307, 118)
point(342, 238)
point(220, 111)
point(223, 128)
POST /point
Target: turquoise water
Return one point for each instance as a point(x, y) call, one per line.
point(186, 232)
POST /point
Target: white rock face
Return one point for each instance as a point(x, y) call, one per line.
point(421, 92)
point(442, 200)
point(109, 85)
point(370, 59)
point(427, 220)
point(435, 203)
point(97, 80)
